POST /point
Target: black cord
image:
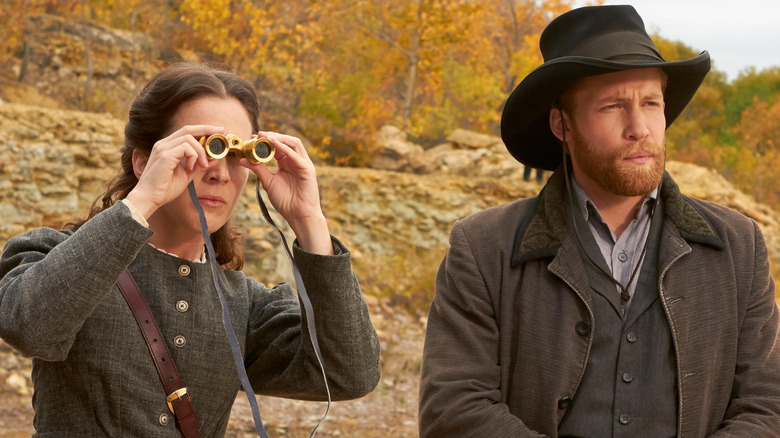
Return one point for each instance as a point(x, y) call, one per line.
point(307, 308)
point(625, 296)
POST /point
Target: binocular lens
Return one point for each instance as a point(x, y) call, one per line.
point(216, 146)
point(262, 149)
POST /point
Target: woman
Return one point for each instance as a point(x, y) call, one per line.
point(59, 304)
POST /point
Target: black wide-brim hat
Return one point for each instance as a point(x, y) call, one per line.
point(583, 42)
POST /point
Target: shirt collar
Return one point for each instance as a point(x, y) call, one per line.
point(587, 207)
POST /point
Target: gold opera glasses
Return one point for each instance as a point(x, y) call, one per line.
point(256, 150)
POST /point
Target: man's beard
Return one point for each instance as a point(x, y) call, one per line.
point(614, 175)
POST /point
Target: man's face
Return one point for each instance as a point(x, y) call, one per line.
point(618, 126)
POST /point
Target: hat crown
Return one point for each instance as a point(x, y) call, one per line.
point(611, 33)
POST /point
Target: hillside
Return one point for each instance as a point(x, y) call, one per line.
point(55, 161)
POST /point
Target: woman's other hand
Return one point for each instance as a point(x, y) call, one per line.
point(294, 193)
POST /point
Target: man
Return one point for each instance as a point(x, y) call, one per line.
point(610, 304)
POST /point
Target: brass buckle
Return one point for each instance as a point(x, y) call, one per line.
point(179, 393)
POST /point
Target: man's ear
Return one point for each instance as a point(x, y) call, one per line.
point(555, 122)
point(139, 162)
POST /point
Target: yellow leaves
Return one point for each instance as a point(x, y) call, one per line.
point(757, 164)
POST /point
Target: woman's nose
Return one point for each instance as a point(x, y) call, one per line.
point(218, 171)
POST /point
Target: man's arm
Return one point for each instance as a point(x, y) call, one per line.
point(459, 387)
point(754, 409)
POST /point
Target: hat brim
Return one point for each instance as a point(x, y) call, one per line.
point(525, 126)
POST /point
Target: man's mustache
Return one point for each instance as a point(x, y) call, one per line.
point(652, 148)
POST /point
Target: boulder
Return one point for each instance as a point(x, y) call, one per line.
point(395, 153)
point(463, 138)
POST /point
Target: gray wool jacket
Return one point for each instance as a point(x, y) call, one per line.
point(504, 352)
point(92, 372)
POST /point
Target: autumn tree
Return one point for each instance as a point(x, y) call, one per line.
point(694, 136)
point(13, 31)
point(757, 168)
point(750, 84)
point(513, 28)
point(420, 31)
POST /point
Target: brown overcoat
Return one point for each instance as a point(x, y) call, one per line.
point(502, 352)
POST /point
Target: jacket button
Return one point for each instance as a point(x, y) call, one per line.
point(164, 419)
point(184, 270)
point(182, 306)
point(582, 328)
point(627, 377)
point(631, 337)
point(564, 403)
point(179, 341)
point(624, 419)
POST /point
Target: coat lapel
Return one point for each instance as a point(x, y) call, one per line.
point(545, 234)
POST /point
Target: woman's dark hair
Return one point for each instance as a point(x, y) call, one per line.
point(151, 117)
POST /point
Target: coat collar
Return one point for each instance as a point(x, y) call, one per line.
point(542, 233)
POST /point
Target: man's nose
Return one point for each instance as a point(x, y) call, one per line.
point(637, 128)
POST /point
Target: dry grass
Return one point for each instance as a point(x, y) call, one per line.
point(406, 279)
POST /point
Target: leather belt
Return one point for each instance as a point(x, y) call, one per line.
point(179, 400)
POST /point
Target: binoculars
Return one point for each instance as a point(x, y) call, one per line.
point(257, 150)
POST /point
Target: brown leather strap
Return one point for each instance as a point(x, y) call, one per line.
point(179, 400)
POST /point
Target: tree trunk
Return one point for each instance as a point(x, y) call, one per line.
point(26, 31)
point(409, 96)
point(133, 16)
point(25, 60)
point(88, 52)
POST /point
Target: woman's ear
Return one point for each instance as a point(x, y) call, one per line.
point(139, 162)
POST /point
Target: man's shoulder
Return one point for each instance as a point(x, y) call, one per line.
point(719, 215)
point(726, 226)
point(505, 215)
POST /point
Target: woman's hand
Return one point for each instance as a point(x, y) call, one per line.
point(294, 193)
point(165, 173)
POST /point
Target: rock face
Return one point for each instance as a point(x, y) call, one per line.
point(55, 162)
point(52, 164)
point(57, 66)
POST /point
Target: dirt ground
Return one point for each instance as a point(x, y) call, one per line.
point(391, 410)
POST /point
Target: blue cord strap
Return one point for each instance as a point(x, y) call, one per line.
point(237, 356)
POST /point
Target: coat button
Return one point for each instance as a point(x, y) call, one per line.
point(627, 377)
point(624, 419)
point(564, 403)
point(179, 341)
point(164, 419)
point(182, 306)
point(631, 337)
point(184, 270)
point(582, 328)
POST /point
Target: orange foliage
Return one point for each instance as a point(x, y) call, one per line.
point(337, 70)
point(758, 155)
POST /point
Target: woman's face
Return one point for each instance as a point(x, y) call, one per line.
point(221, 183)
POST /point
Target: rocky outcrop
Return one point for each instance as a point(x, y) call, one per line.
point(465, 153)
point(54, 162)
